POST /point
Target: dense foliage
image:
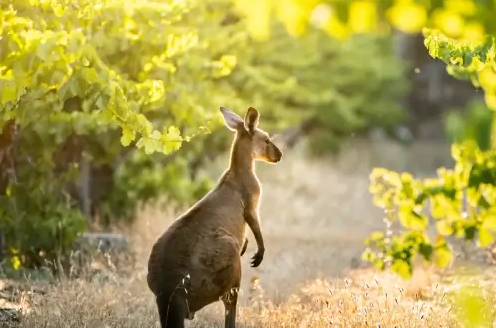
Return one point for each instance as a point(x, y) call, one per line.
point(71, 73)
point(460, 201)
point(458, 32)
point(81, 81)
point(460, 19)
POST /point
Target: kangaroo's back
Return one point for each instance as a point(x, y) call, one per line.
point(176, 252)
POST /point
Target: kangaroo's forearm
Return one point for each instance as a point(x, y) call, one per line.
point(254, 225)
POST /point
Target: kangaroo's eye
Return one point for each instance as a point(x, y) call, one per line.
point(267, 141)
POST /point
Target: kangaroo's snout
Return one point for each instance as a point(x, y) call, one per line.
point(277, 158)
point(274, 154)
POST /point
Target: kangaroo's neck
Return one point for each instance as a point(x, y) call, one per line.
point(241, 163)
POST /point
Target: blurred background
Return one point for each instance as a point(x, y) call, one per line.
point(82, 80)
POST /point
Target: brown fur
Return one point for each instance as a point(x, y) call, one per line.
point(206, 243)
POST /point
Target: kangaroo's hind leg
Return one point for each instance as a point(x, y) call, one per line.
point(222, 264)
point(172, 309)
point(230, 298)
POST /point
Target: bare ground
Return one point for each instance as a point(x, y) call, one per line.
point(315, 216)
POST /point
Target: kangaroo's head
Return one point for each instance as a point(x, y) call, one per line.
point(252, 141)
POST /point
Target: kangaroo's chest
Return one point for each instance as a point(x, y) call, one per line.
point(251, 193)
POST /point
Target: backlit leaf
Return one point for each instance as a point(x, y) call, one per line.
point(485, 237)
point(444, 227)
point(407, 16)
point(443, 256)
point(128, 136)
point(8, 91)
point(402, 268)
point(362, 16)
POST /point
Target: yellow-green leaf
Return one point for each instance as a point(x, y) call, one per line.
point(490, 222)
point(8, 91)
point(16, 262)
point(258, 13)
point(362, 16)
point(408, 16)
point(411, 219)
point(402, 268)
point(150, 145)
point(444, 227)
point(128, 136)
point(173, 133)
point(485, 237)
point(443, 256)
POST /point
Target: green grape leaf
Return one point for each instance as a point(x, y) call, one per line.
point(443, 256)
point(485, 237)
point(402, 268)
point(128, 136)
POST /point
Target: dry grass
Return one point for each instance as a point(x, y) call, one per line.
point(125, 302)
point(363, 299)
point(315, 216)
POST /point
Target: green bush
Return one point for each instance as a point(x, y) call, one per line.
point(71, 74)
point(460, 201)
point(37, 217)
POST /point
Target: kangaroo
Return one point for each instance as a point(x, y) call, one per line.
point(206, 243)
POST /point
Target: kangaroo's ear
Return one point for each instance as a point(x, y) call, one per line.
point(233, 121)
point(251, 119)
